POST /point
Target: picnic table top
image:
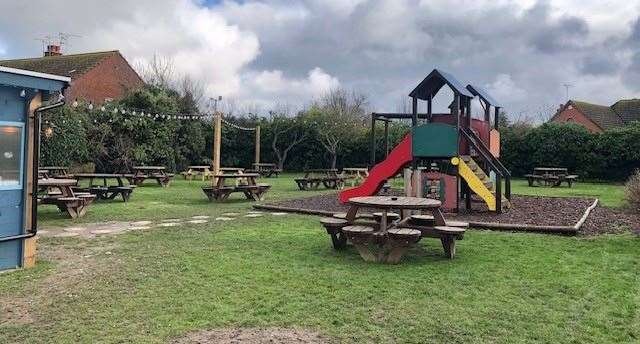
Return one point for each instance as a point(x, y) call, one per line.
point(199, 167)
point(53, 168)
point(227, 175)
point(392, 202)
point(143, 168)
point(321, 170)
point(231, 168)
point(57, 182)
point(551, 169)
point(263, 164)
point(96, 175)
point(359, 169)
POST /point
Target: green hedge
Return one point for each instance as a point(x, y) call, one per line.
point(612, 155)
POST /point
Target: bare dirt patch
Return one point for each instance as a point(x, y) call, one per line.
point(253, 336)
point(73, 266)
point(529, 210)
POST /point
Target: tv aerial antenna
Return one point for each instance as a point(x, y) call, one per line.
point(65, 37)
point(566, 89)
point(45, 40)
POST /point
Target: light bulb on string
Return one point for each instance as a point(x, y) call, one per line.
point(90, 107)
point(133, 113)
point(103, 109)
point(75, 103)
point(115, 110)
point(123, 111)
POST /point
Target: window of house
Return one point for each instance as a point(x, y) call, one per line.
point(11, 137)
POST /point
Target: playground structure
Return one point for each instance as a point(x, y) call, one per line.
point(448, 156)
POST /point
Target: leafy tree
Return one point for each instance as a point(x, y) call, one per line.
point(337, 118)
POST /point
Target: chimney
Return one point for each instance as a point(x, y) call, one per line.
point(53, 50)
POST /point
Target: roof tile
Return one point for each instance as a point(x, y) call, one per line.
point(72, 66)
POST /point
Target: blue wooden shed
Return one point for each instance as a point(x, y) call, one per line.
point(23, 96)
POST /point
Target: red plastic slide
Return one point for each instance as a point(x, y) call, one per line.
point(400, 156)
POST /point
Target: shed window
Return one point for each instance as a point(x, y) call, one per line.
point(10, 156)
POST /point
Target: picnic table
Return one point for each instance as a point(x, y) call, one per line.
point(326, 176)
point(386, 241)
point(142, 173)
point(60, 193)
point(53, 171)
point(204, 171)
point(553, 176)
point(105, 190)
point(265, 169)
point(356, 174)
point(236, 170)
point(244, 183)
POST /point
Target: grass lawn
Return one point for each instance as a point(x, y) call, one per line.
point(611, 195)
point(154, 285)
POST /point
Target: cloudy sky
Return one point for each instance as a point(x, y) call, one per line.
point(266, 52)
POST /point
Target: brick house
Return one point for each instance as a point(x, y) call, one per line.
point(598, 118)
point(95, 77)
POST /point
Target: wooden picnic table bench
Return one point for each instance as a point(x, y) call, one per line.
point(314, 177)
point(388, 242)
point(553, 176)
point(59, 192)
point(204, 171)
point(54, 171)
point(243, 183)
point(105, 190)
point(265, 169)
point(142, 173)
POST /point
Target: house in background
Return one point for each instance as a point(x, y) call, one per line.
point(96, 77)
point(598, 118)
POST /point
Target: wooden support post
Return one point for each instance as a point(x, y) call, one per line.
point(414, 107)
point(496, 118)
point(498, 193)
point(487, 112)
point(217, 140)
point(257, 159)
point(430, 109)
point(386, 139)
point(468, 111)
point(373, 141)
point(29, 245)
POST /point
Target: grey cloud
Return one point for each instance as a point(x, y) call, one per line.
point(600, 64)
point(631, 76)
point(368, 50)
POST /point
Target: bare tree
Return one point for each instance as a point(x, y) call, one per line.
point(193, 89)
point(160, 71)
point(285, 127)
point(338, 117)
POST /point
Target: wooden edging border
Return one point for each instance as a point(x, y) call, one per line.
point(484, 225)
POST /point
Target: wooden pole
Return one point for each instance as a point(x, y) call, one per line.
point(29, 245)
point(217, 139)
point(257, 159)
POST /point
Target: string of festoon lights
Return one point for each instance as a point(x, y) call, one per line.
point(140, 114)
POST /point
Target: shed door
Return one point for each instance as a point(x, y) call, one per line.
point(11, 189)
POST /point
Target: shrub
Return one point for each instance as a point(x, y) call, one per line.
point(632, 191)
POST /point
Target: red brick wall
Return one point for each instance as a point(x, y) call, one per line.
point(575, 116)
point(111, 78)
